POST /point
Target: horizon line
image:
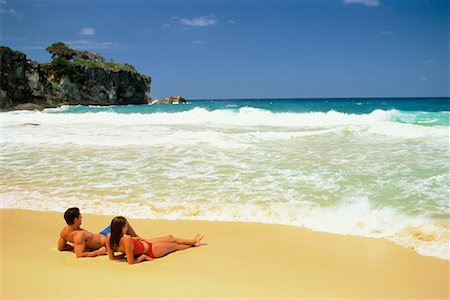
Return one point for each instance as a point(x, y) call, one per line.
point(320, 98)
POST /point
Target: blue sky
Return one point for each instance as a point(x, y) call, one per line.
point(217, 49)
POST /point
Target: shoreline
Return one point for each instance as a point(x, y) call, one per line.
point(239, 260)
point(419, 234)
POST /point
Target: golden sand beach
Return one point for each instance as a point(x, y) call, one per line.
point(239, 261)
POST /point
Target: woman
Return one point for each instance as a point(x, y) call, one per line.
point(137, 249)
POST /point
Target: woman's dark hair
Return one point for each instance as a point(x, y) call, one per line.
point(116, 231)
point(71, 214)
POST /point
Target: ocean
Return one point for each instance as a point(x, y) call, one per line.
point(375, 167)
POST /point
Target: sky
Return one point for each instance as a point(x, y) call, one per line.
point(231, 49)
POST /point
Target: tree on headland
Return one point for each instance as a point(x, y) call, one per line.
point(61, 50)
point(68, 61)
point(90, 56)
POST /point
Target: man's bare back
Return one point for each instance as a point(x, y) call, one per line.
point(92, 241)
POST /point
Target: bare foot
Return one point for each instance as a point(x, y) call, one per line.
point(198, 239)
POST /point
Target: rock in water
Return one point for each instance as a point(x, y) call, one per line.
point(29, 106)
point(170, 100)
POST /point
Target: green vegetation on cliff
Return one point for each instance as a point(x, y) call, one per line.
point(104, 65)
point(66, 61)
point(73, 77)
point(11, 52)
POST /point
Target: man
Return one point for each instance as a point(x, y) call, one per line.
point(82, 242)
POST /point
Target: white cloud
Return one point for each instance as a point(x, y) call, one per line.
point(11, 12)
point(32, 48)
point(422, 78)
point(233, 22)
point(87, 44)
point(371, 3)
point(387, 32)
point(199, 21)
point(88, 31)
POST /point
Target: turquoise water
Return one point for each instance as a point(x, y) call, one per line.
point(352, 106)
point(369, 167)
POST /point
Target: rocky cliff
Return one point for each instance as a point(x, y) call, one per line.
point(73, 82)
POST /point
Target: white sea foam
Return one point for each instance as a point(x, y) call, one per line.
point(246, 116)
point(409, 131)
point(328, 171)
point(199, 126)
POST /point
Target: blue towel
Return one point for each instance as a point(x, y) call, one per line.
point(105, 231)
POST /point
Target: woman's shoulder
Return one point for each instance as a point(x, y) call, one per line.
point(126, 238)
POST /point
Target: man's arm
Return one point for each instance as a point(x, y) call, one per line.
point(63, 246)
point(80, 247)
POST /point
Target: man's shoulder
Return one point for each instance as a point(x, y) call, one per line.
point(69, 234)
point(80, 235)
point(64, 231)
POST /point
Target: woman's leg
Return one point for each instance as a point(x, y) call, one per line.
point(163, 248)
point(160, 249)
point(172, 239)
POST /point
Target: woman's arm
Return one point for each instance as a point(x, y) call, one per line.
point(108, 248)
point(143, 257)
point(111, 253)
point(128, 247)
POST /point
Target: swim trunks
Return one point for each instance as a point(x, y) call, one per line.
point(105, 231)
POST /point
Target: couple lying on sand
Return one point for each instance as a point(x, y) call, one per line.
point(119, 237)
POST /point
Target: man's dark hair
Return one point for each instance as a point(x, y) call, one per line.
point(71, 214)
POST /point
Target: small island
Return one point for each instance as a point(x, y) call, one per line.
point(73, 77)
